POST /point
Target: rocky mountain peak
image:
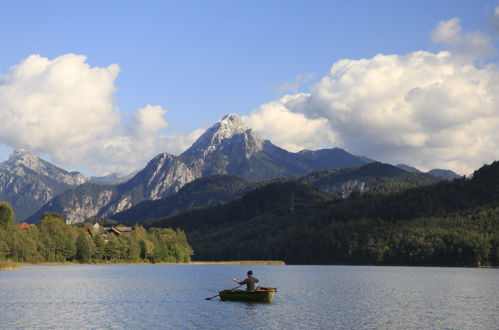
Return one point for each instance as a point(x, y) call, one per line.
point(22, 158)
point(218, 135)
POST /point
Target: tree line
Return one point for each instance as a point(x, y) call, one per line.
point(51, 240)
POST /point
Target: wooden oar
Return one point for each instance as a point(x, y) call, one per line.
point(219, 293)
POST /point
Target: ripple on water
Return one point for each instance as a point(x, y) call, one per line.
point(309, 297)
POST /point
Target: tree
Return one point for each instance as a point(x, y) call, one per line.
point(83, 247)
point(58, 235)
point(7, 215)
point(98, 247)
point(134, 249)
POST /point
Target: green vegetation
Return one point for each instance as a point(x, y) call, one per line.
point(54, 241)
point(7, 216)
point(448, 223)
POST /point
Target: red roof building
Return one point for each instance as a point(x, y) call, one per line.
point(23, 225)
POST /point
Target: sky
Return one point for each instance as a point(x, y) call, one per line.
point(104, 86)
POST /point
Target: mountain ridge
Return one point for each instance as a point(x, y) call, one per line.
point(336, 183)
point(28, 182)
point(227, 147)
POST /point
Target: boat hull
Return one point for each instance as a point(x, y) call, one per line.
point(260, 295)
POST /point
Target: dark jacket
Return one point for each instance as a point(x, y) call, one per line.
point(250, 283)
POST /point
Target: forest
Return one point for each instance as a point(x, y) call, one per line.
point(452, 223)
point(51, 240)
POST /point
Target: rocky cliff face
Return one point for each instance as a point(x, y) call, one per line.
point(22, 159)
point(84, 201)
point(227, 136)
point(28, 182)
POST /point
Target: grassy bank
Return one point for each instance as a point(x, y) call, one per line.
point(8, 265)
point(240, 262)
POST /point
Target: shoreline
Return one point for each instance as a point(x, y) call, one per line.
point(8, 265)
point(240, 262)
point(17, 266)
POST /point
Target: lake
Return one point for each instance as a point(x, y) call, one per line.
point(308, 297)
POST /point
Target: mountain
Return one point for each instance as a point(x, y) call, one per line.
point(28, 182)
point(113, 178)
point(408, 168)
point(212, 190)
point(444, 174)
point(202, 192)
point(452, 223)
point(381, 177)
point(228, 147)
point(81, 202)
point(439, 173)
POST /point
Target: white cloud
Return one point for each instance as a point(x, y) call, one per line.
point(291, 131)
point(296, 84)
point(65, 108)
point(448, 32)
point(424, 109)
point(468, 46)
point(430, 110)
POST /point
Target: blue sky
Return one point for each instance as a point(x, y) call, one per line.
point(202, 59)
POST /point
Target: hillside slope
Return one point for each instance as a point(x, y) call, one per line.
point(449, 223)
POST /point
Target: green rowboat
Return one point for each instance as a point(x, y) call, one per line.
point(259, 295)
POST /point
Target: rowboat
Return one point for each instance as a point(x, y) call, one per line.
point(259, 295)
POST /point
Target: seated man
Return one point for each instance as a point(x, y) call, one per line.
point(251, 282)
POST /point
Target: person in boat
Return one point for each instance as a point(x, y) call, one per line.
point(251, 282)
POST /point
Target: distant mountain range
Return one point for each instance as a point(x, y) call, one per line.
point(34, 186)
point(228, 147)
point(439, 173)
point(216, 189)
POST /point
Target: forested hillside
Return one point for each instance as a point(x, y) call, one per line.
point(51, 240)
point(449, 223)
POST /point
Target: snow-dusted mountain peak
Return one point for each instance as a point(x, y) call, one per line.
point(221, 133)
point(229, 126)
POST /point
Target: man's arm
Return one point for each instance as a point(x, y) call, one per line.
point(240, 282)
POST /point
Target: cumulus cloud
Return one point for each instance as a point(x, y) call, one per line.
point(468, 46)
point(425, 109)
point(291, 131)
point(65, 108)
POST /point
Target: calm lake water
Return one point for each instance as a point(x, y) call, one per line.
point(308, 297)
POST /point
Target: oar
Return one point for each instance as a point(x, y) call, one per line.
point(219, 293)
